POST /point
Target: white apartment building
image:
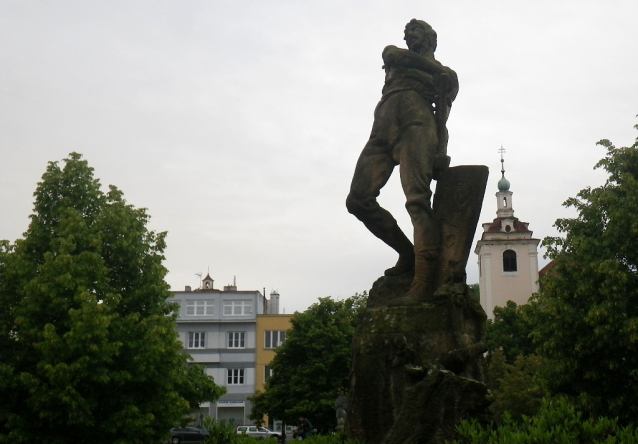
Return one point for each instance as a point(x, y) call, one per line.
point(218, 329)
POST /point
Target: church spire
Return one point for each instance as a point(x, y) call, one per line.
point(503, 184)
point(504, 195)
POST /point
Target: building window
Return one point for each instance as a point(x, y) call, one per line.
point(267, 373)
point(199, 308)
point(274, 338)
point(509, 261)
point(236, 339)
point(238, 308)
point(196, 339)
point(235, 376)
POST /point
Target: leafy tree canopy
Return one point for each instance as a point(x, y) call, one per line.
point(313, 364)
point(514, 371)
point(557, 422)
point(517, 388)
point(586, 322)
point(88, 349)
point(476, 289)
point(510, 331)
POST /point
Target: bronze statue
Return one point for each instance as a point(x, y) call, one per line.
point(409, 130)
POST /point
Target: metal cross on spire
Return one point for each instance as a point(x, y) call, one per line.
point(503, 184)
point(502, 151)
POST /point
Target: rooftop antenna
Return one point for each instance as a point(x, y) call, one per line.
point(234, 281)
point(200, 278)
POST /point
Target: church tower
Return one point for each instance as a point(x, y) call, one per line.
point(507, 255)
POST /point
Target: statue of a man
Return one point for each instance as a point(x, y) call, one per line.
point(409, 130)
point(341, 407)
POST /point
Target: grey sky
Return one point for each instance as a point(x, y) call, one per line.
point(238, 123)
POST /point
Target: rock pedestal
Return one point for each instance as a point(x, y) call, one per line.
point(417, 371)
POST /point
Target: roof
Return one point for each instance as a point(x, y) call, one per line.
point(519, 226)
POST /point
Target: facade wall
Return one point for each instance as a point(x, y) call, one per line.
point(224, 342)
point(498, 286)
point(266, 325)
point(265, 355)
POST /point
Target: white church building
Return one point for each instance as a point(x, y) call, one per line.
point(507, 255)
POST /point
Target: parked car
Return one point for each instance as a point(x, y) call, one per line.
point(258, 432)
point(188, 434)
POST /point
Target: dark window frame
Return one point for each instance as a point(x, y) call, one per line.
point(510, 263)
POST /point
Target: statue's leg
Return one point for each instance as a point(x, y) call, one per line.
point(416, 150)
point(374, 167)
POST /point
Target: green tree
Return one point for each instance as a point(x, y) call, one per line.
point(586, 322)
point(510, 331)
point(476, 289)
point(313, 364)
point(88, 348)
point(517, 388)
point(557, 422)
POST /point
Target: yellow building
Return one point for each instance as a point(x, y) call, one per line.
point(271, 333)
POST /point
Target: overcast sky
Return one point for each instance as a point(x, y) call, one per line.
point(238, 123)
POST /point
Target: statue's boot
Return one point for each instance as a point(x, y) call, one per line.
point(405, 264)
point(381, 223)
point(422, 287)
point(402, 245)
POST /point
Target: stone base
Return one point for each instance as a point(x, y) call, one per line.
point(417, 371)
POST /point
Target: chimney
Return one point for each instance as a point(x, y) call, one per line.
point(273, 303)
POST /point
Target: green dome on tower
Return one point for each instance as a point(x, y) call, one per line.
point(503, 184)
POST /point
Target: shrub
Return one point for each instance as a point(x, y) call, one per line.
point(557, 422)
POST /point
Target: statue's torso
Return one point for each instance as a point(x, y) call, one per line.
point(401, 75)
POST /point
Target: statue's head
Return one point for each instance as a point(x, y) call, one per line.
point(420, 37)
